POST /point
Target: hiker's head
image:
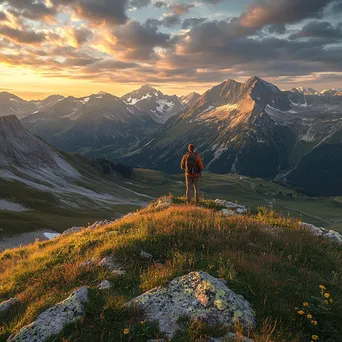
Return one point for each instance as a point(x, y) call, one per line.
point(191, 148)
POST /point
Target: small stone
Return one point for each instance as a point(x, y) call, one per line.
point(88, 263)
point(230, 337)
point(8, 305)
point(105, 285)
point(241, 211)
point(228, 212)
point(145, 255)
point(110, 264)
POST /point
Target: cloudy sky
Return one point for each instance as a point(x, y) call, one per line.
point(83, 46)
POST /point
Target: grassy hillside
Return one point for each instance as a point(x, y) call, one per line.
point(268, 258)
point(252, 192)
point(49, 212)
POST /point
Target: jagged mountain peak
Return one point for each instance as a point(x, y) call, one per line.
point(257, 82)
point(4, 95)
point(189, 99)
point(147, 87)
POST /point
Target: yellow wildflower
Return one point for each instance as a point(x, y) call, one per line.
point(327, 295)
point(314, 322)
point(322, 287)
point(126, 331)
point(300, 312)
point(309, 316)
point(315, 337)
point(325, 302)
point(331, 300)
point(142, 322)
point(305, 304)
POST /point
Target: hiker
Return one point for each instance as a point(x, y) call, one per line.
point(192, 165)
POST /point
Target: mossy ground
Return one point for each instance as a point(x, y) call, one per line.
point(265, 257)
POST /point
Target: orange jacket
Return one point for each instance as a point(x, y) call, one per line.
point(199, 165)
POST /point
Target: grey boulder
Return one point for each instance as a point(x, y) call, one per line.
point(52, 321)
point(198, 296)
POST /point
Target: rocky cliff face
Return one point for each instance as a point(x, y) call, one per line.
point(21, 149)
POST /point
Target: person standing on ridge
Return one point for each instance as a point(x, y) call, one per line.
point(192, 165)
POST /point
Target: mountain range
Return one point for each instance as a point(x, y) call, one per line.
point(44, 188)
point(252, 128)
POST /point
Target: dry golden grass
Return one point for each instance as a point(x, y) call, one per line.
point(267, 258)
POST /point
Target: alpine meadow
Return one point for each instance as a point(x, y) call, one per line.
point(170, 171)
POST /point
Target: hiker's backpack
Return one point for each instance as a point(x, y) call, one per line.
point(191, 163)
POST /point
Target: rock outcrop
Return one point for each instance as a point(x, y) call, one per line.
point(198, 296)
point(95, 225)
point(319, 231)
point(52, 321)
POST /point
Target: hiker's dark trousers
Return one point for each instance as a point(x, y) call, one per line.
point(192, 182)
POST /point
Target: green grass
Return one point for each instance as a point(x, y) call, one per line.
point(264, 256)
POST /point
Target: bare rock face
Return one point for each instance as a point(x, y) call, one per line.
point(52, 321)
point(198, 296)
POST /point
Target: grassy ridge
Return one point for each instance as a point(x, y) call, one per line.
point(267, 258)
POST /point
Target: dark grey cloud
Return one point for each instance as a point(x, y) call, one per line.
point(82, 35)
point(3, 16)
point(30, 9)
point(319, 29)
point(191, 22)
point(337, 7)
point(139, 3)
point(160, 4)
point(167, 21)
point(173, 17)
point(137, 41)
point(266, 12)
point(109, 65)
point(276, 29)
point(179, 9)
point(21, 36)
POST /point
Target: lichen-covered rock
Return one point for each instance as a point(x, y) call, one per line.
point(8, 305)
point(104, 285)
point(145, 255)
point(110, 264)
point(162, 203)
point(89, 263)
point(229, 205)
point(319, 231)
point(230, 337)
point(228, 212)
point(52, 321)
point(73, 230)
point(198, 296)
